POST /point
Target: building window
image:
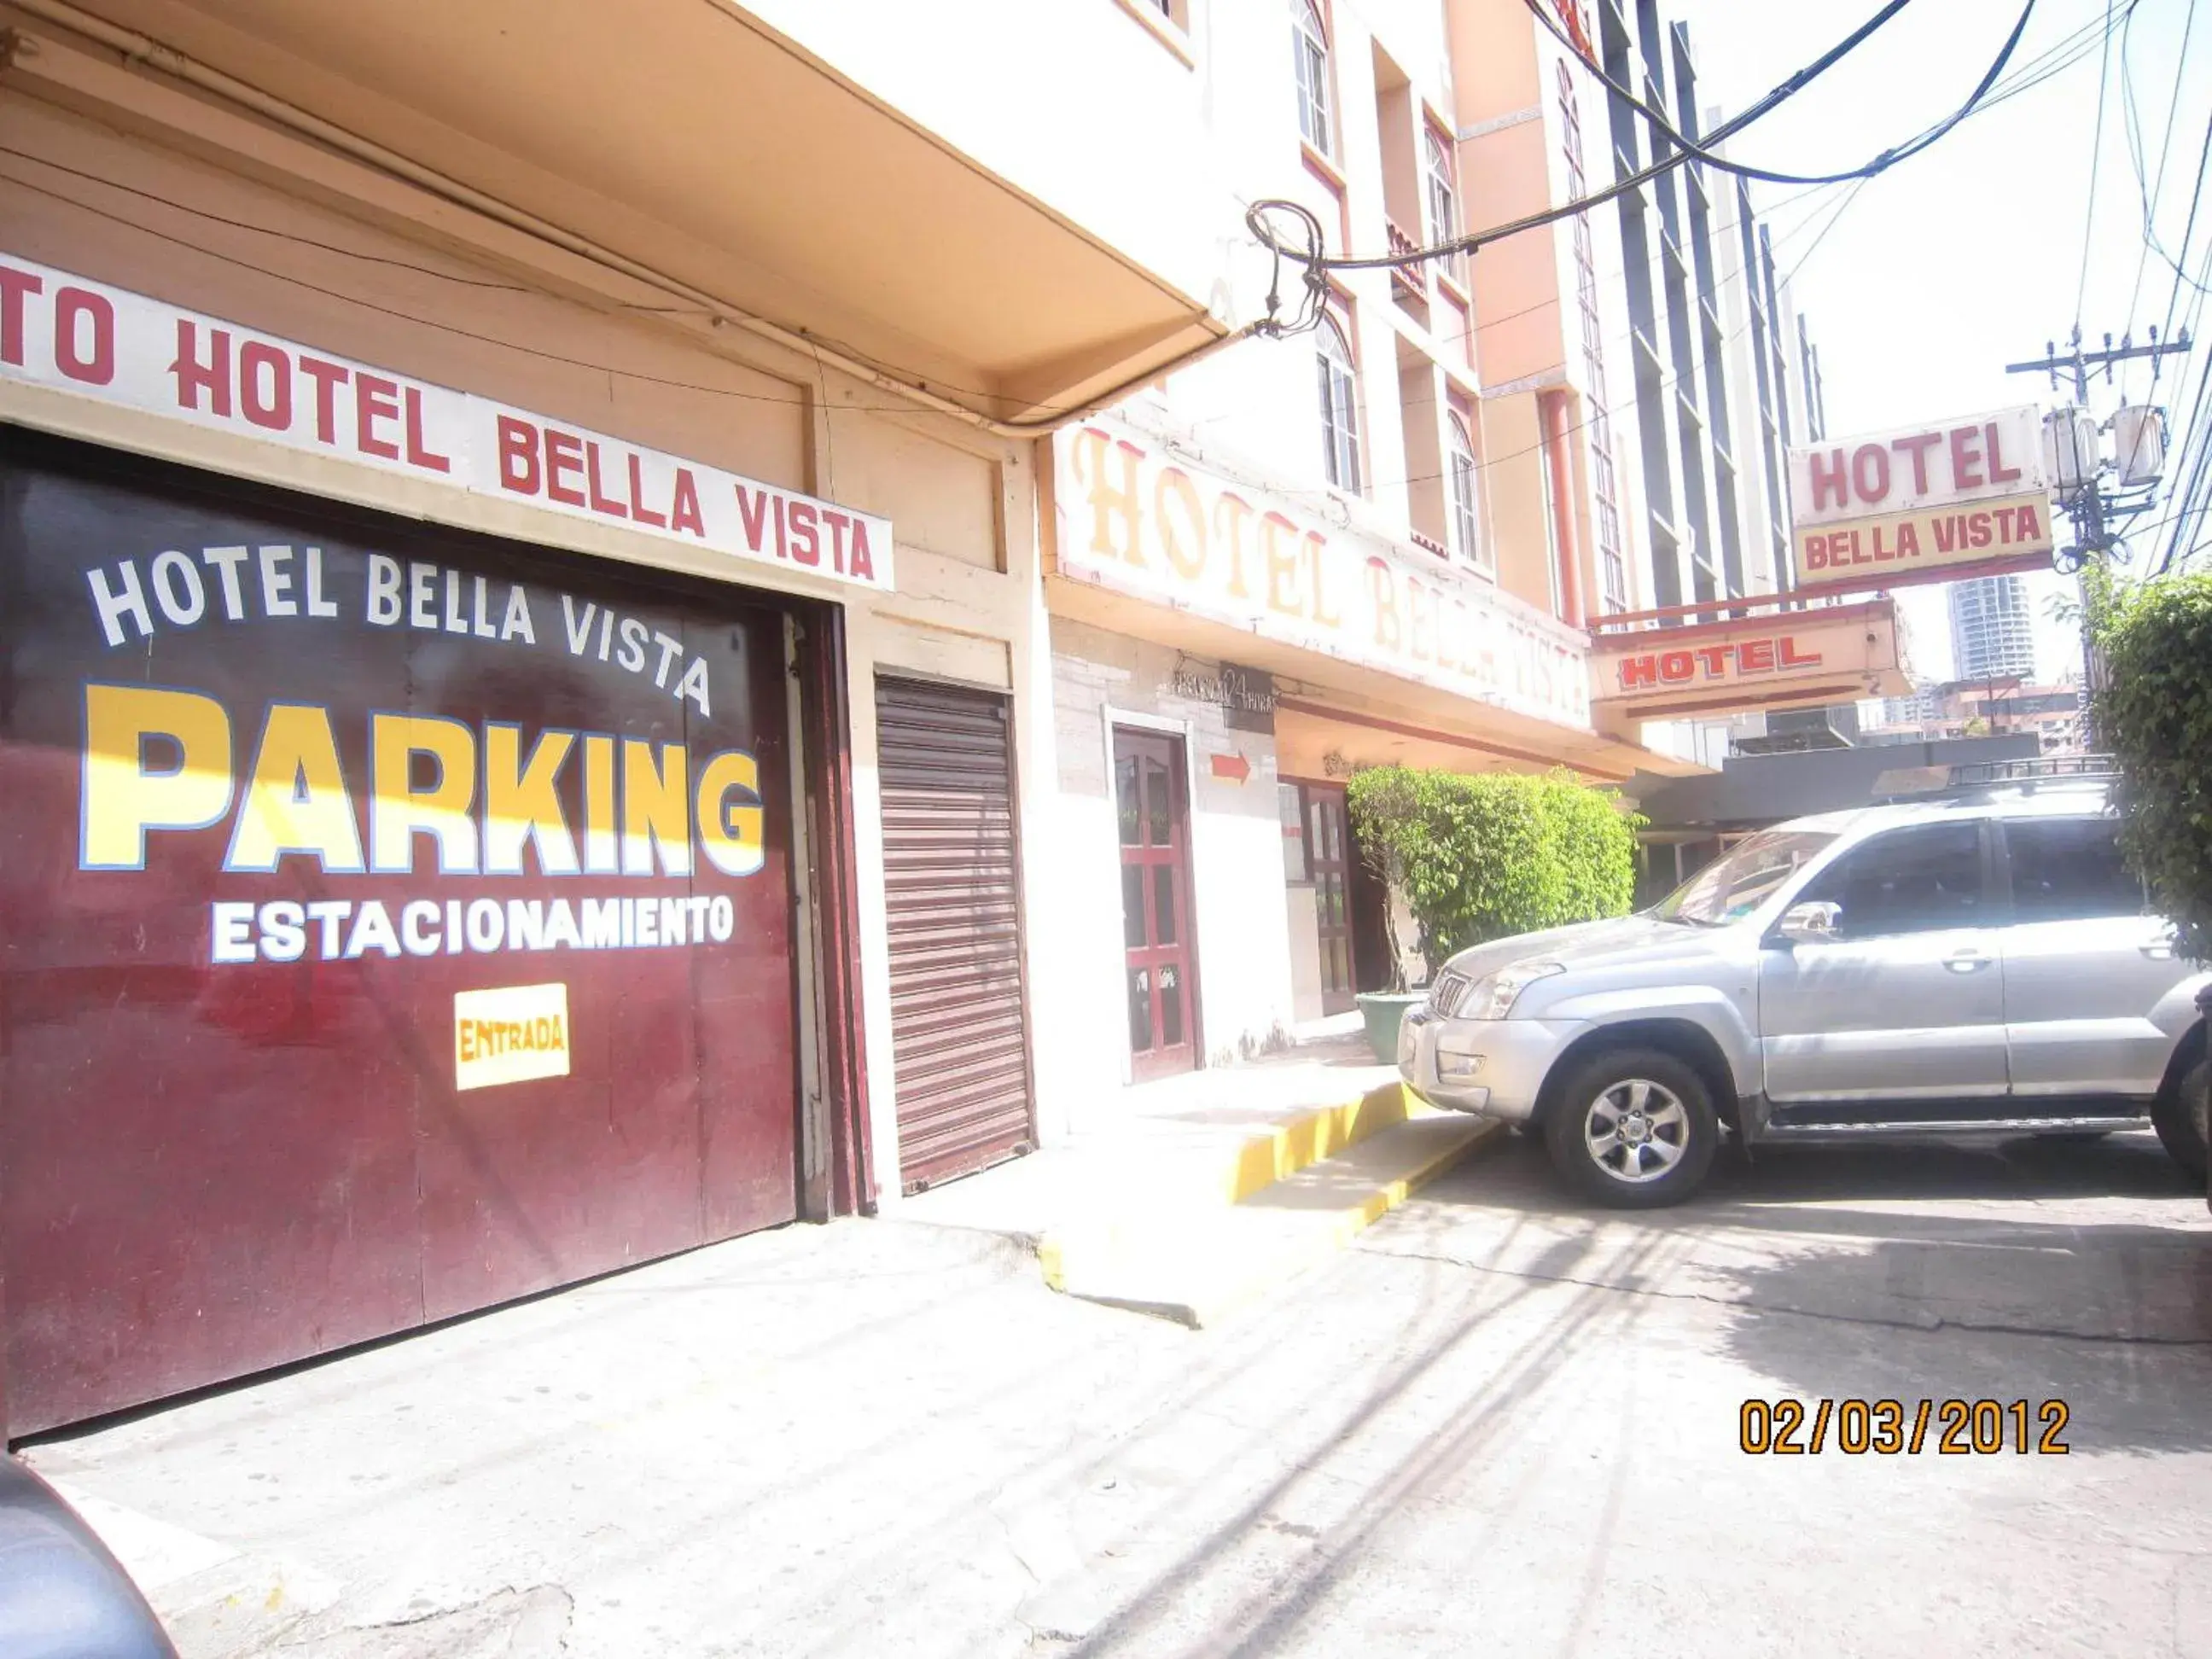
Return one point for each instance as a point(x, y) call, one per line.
point(1340, 406)
point(1309, 41)
point(1466, 524)
point(1612, 561)
point(1552, 560)
point(1168, 21)
point(1443, 194)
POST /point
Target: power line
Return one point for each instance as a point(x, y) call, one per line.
point(1666, 384)
point(2096, 150)
point(1317, 262)
point(1699, 151)
point(451, 328)
point(1682, 141)
point(262, 230)
point(814, 341)
point(2150, 189)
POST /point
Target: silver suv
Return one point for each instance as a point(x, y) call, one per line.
point(1979, 964)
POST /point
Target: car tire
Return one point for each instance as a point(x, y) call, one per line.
point(2177, 1116)
point(1665, 1127)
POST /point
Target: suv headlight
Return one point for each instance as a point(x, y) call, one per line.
point(1493, 997)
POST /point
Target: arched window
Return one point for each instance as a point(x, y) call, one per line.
point(1467, 519)
point(1443, 188)
point(1309, 41)
point(1340, 406)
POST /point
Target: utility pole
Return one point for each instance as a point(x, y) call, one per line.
point(2088, 506)
point(2099, 516)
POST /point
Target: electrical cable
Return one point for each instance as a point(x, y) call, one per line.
point(1617, 338)
point(2150, 189)
point(1667, 383)
point(2096, 150)
point(2151, 245)
point(814, 342)
point(2053, 61)
point(2193, 460)
point(357, 254)
point(262, 230)
point(1255, 220)
point(1698, 149)
point(449, 328)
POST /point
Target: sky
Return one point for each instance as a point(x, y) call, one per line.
point(1971, 256)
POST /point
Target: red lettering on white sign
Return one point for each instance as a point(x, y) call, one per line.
point(60, 333)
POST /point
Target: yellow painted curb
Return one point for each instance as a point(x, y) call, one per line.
point(1199, 1265)
point(1356, 1218)
point(1265, 1159)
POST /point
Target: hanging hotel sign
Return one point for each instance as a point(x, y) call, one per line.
point(1791, 658)
point(62, 332)
point(1130, 518)
point(1896, 508)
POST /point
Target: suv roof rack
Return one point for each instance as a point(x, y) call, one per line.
point(1930, 783)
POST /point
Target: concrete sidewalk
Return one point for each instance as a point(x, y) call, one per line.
point(763, 1447)
point(1498, 1423)
point(1194, 1196)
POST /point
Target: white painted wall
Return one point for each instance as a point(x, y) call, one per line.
point(1238, 892)
point(1081, 105)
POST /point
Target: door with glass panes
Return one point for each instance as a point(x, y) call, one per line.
point(1157, 957)
point(1328, 855)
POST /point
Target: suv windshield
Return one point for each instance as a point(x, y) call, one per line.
point(1737, 883)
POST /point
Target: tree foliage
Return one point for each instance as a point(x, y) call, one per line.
point(2153, 712)
point(1484, 857)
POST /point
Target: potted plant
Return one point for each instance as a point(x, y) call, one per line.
point(1484, 857)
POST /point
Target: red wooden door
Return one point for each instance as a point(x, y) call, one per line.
point(1328, 853)
point(1157, 978)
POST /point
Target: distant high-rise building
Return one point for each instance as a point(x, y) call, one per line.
point(1992, 634)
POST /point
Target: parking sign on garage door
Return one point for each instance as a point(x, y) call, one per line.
point(396, 922)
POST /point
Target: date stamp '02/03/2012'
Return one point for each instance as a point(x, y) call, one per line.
point(1951, 1428)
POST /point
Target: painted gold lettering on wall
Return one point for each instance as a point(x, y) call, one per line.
point(159, 762)
point(1132, 517)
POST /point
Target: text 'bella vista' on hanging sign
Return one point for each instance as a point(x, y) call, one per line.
point(84, 338)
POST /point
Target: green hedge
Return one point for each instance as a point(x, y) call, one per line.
point(1484, 857)
point(2153, 713)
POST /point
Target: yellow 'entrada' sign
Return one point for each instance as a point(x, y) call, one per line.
point(511, 1035)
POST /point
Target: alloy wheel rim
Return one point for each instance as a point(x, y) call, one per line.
point(1637, 1130)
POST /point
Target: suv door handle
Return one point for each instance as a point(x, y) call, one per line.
point(1965, 962)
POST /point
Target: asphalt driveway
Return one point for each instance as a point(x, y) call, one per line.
point(1500, 1423)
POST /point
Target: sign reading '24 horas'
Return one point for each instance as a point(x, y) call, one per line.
point(71, 335)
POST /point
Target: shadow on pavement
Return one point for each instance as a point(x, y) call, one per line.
point(2027, 1270)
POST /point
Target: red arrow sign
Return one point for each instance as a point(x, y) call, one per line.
point(1233, 767)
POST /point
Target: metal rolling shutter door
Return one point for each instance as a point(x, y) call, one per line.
point(959, 1025)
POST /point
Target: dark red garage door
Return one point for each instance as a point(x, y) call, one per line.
point(959, 1030)
point(395, 922)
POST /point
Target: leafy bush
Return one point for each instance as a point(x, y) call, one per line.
point(2153, 712)
point(1488, 856)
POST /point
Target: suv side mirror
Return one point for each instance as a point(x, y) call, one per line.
point(1811, 923)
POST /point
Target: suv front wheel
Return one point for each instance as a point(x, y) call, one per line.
point(1634, 1128)
point(2179, 1116)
